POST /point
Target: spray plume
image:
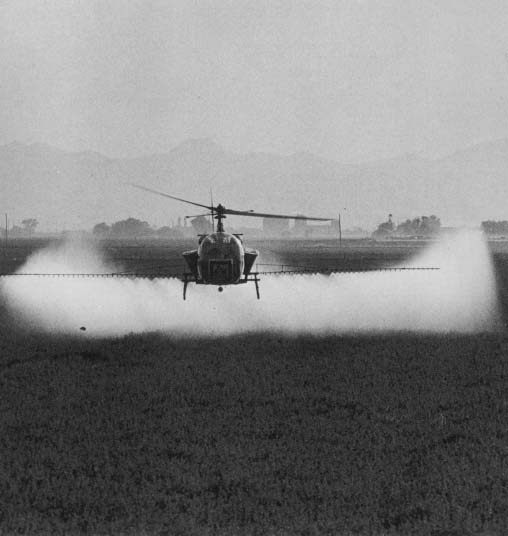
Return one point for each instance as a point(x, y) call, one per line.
point(460, 297)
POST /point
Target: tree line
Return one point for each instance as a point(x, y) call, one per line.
point(423, 226)
point(495, 227)
point(27, 228)
point(134, 228)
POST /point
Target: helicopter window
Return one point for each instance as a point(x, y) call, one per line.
point(220, 245)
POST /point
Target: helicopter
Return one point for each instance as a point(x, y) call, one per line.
point(221, 258)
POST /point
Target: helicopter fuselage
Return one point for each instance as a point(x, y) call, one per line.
point(220, 259)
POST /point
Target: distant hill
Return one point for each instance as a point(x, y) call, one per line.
point(77, 190)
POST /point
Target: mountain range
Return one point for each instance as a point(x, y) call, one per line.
point(75, 190)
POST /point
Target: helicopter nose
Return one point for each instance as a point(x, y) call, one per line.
point(220, 289)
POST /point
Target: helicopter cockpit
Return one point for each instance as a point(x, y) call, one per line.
point(220, 258)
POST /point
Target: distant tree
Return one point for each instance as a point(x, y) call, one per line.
point(424, 226)
point(495, 227)
point(384, 229)
point(29, 225)
point(169, 232)
point(101, 229)
point(16, 230)
point(131, 228)
point(430, 225)
point(201, 224)
point(406, 228)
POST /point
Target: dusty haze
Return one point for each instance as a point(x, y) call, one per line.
point(350, 80)
point(295, 89)
point(87, 188)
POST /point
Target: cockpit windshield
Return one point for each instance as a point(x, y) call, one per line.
point(220, 246)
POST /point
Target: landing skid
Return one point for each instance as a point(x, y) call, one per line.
point(189, 278)
point(186, 278)
point(255, 279)
point(256, 282)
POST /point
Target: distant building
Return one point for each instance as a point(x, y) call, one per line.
point(335, 226)
point(300, 227)
point(275, 226)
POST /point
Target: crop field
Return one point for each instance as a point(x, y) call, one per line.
point(258, 434)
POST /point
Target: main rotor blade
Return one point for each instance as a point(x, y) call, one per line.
point(199, 215)
point(281, 216)
point(170, 196)
point(230, 211)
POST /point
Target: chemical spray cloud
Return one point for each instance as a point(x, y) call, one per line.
point(460, 297)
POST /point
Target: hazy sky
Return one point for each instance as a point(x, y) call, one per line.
point(351, 80)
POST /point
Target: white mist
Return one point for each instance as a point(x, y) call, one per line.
point(460, 297)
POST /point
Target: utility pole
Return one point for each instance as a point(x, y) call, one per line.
point(340, 233)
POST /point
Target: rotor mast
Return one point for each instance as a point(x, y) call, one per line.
point(219, 216)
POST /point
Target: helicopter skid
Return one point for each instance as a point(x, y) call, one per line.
point(189, 278)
